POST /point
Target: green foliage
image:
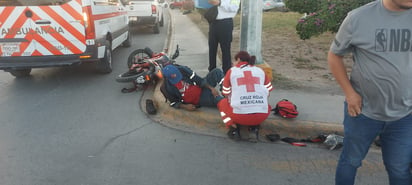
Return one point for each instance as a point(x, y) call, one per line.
point(327, 18)
point(303, 6)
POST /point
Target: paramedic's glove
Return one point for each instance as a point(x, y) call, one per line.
point(189, 107)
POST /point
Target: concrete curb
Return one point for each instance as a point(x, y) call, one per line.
point(207, 121)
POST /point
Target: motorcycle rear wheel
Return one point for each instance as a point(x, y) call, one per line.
point(137, 56)
point(129, 76)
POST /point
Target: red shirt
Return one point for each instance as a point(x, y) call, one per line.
point(190, 93)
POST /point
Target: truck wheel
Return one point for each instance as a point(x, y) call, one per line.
point(156, 29)
point(104, 65)
point(128, 42)
point(161, 22)
point(19, 73)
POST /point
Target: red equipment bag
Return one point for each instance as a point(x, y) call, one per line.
point(286, 109)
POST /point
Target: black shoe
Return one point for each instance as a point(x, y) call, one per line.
point(150, 108)
point(273, 137)
point(243, 132)
point(233, 133)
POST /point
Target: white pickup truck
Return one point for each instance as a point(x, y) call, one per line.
point(146, 12)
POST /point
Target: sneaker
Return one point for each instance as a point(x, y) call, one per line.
point(254, 134)
point(150, 108)
point(243, 131)
point(233, 133)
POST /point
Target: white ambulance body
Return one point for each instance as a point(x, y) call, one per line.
point(48, 33)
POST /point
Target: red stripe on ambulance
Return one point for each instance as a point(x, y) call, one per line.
point(68, 27)
point(62, 21)
point(5, 14)
point(15, 28)
point(46, 45)
point(107, 15)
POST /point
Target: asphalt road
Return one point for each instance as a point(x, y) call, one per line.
point(71, 126)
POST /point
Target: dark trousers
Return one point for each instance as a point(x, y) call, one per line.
point(220, 32)
point(206, 97)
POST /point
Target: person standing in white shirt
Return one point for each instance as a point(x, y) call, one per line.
point(220, 32)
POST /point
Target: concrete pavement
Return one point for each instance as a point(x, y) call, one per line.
point(318, 113)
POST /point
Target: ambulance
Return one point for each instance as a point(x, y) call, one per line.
point(50, 33)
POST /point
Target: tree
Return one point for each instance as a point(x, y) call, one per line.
point(322, 15)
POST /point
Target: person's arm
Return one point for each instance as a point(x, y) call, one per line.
point(268, 83)
point(214, 2)
point(338, 70)
point(212, 89)
point(190, 75)
point(172, 94)
point(227, 85)
point(177, 103)
point(189, 107)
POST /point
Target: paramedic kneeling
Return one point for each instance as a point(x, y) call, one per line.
point(246, 88)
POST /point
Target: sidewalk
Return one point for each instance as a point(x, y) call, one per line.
point(318, 113)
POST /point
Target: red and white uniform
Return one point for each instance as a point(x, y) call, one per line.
point(247, 88)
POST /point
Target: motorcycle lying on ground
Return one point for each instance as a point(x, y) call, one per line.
point(145, 68)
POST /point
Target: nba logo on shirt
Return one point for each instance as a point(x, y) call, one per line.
point(381, 40)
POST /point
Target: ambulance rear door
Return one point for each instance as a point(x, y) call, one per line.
point(41, 28)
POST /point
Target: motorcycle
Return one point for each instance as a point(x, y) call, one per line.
point(145, 68)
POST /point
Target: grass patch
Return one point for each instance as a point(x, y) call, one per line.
point(272, 21)
point(280, 22)
point(303, 63)
point(283, 82)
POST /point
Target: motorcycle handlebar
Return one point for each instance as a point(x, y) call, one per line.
point(176, 54)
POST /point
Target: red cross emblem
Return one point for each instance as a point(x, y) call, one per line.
point(248, 80)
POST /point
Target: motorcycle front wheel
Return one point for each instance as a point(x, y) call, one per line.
point(137, 56)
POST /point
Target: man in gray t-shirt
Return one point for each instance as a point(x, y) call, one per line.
point(379, 91)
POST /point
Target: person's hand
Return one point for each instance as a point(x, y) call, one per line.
point(214, 2)
point(354, 101)
point(231, 124)
point(189, 107)
point(214, 92)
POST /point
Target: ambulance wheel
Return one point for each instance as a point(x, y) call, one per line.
point(18, 73)
point(104, 65)
point(128, 42)
point(161, 22)
point(156, 29)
